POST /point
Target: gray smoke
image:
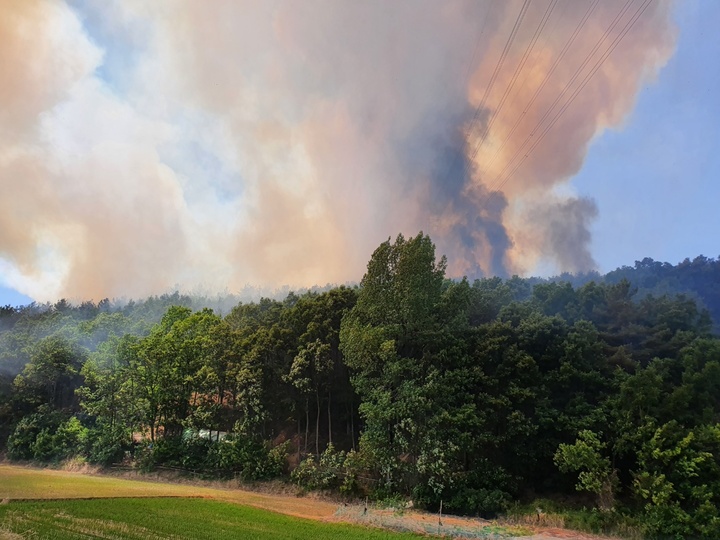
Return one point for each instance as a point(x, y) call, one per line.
point(149, 144)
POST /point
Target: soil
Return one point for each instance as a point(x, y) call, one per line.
point(287, 499)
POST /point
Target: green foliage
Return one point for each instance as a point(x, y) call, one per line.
point(595, 472)
point(44, 437)
point(235, 454)
point(327, 473)
point(22, 443)
point(336, 469)
point(52, 374)
point(195, 453)
point(107, 445)
point(616, 523)
point(678, 480)
point(455, 392)
point(251, 459)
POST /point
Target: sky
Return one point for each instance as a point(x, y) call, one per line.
point(656, 180)
point(146, 147)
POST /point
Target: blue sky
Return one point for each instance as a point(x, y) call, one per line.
point(12, 297)
point(657, 181)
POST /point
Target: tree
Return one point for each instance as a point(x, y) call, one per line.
point(52, 374)
point(678, 480)
point(313, 322)
point(310, 374)
point(387, 340)
point(595, 472)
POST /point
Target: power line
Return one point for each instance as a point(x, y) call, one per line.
point(503, 56)
point(478, 42)
point(566, 88)
point(518, 69)
point(596, 67)
point(546, 78)
point(498, 66)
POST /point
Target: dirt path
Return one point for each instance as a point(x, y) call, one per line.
point(18, 482)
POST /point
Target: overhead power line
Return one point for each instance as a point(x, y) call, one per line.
point(518, 69)
point(542, 84)
point(628, 26)
point(564, 91)
point(496, 71)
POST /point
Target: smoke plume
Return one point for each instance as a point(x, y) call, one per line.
point(146, 145)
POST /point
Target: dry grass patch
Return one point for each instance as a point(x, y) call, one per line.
point(23, 483)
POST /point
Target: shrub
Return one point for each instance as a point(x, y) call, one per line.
point(167, 451)
point(106, 445)
point(195, 453)
point(328, 473)
point(21, 444)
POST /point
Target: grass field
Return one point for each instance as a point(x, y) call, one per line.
point(152, 518)
point(46, 503)
point(107, 507)
point(26, 483)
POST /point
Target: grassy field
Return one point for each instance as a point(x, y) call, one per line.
point(107, 507)
point(46, 503)
point(151, 518)
point(26, 483)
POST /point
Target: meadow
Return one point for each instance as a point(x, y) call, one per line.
point(43, 503)
point(51, 503)
point(60, 504)
point(176, 518)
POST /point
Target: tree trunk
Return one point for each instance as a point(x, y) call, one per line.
point(317, 424)
point(352, 424)
point(329, 419)
point(307, 422)
point(298, 434)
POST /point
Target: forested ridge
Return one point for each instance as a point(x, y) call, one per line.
point(476, 394)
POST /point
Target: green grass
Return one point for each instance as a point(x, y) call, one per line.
point(26, 483)
point(149, 518)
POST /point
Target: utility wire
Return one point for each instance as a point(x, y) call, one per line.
point(478, 42)
point(559, 97)
point(596, 67)
point(545, 80)
point(518, 69)
point(488, 88)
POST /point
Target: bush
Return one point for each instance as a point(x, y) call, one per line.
point(195, 453)
point(306, 474)
point(616, 523)
point(328, 473)
point(239, 454)
point(167, 451)
point(70, 439)
point(277, 458)
point(356, 464)
point(43, 448)
point(106, 445)
point(22, 443)
point(484, 491)
point(252, 458)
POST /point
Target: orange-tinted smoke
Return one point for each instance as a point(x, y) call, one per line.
point(274, 143)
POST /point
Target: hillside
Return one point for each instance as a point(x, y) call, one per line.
point(469, 395)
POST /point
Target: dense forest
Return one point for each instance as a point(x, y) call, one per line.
point(476, 394)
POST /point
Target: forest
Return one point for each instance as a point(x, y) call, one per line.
point(604, 390)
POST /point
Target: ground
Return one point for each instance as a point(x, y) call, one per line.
point(26, 483)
